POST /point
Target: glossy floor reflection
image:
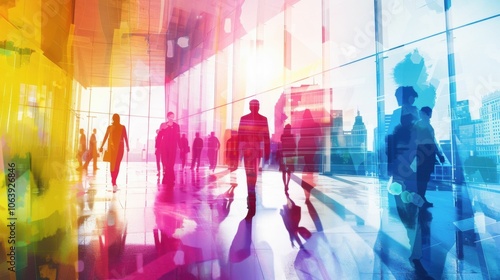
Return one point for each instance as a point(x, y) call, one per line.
point(338, 227)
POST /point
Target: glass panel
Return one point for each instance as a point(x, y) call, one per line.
point(346, 44)
point(139, 101)
point(353, 119)
point(464, 12)
point(408, 21)
point(120, 101)
point(99, 100)
point(138, 138)
point(157, 109)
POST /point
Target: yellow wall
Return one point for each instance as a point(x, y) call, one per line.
point(37, 135)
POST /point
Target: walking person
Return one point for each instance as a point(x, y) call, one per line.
point(117, 135)
point(169, 138)
point(184, 149)
point(401, 155)
point(427, 150)
point(197, 147)
point(213, 150)
point(288, 153)
point(92, 152)
point(232, 152)
point(82, 148)
point(253, 136)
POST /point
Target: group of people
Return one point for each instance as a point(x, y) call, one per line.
point(85, 155)
point(251, 138)
point(116, 136)
point(167, 143)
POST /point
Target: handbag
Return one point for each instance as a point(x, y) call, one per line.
point(106, 157)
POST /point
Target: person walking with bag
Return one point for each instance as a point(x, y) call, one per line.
point(197, 147)
point(118, 139)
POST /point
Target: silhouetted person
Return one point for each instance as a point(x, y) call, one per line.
point(232, 151)
point(427, 150)
point(309, 143)
point(92, 152)
point(253, 136)
point(82, 148)
point(402, 160)
point(158, 152)
point(213, 146)
point(197, 147)
point(183, 150)
point(118, 139)
point(169, 138)
point(287, 155)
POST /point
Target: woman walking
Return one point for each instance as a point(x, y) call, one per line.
point(117, 135)
point(288, 155)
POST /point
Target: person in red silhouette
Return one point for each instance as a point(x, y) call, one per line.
point(253, 137)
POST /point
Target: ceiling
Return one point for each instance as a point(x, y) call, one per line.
point(150, 42)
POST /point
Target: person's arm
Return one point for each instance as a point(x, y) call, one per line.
point(104, 140)
point(439, 151)
point(125, 138)
point(267, 141)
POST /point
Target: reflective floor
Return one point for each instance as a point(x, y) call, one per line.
point(337, 227)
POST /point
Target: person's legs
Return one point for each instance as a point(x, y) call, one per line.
point(196, 160)
point(158, 159)
point(283, 176)
point(116, 170)
point(215, 160)
point(164, 155)
point(94, 159)
point(426, 157)
point(183, 160)
point(170, 162)
point(251, 169)
point(87, 160)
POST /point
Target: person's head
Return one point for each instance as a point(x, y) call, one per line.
point(307, 115)
point(197, 134)
point(287, 129)
point(212, 133)
point(183, 135)
point(408, 95)
point(170, 116)
point(116, 119)
point(254, 106)
point(82, 131)
point(94, 131)
point(425, 112)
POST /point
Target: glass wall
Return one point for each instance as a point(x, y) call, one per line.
point(141, 112)
point(341, 61)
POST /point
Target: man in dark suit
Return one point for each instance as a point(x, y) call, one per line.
point(253, 136)
point(197, 147)
point(169, 137)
